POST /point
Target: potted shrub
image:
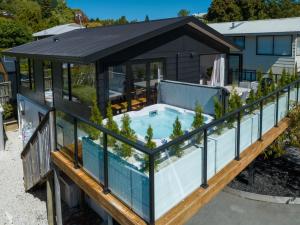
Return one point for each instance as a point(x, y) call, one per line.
point(111, 125)
point(151, 145)
point(177, 132)
point(198, 121)
point(125, 150)
point(96, 118)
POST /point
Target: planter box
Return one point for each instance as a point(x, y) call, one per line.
point(125, 181)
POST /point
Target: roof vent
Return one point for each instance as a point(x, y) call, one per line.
point(232, 25)
point(55, 39)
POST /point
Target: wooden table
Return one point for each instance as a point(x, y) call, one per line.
point(135, 104)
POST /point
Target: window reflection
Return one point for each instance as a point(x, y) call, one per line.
point(26, 73)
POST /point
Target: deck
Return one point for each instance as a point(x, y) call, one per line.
point(183, 211)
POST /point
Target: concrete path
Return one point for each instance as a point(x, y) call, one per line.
point(16, 206)
point(228, 209)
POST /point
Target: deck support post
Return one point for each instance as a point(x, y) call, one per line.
point(237, 157)
point(50, 200)
point(288, 100)
point(297, 93)
point(76, 164)
point(52, 130)
point(105, 159)
point(152, 189)
point(58, 208)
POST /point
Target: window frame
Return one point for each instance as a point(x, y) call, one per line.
point(244, 41)
point(273, 45)
point(31, 72)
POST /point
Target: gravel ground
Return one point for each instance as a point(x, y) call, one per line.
point(277, 177)
point(16, 206)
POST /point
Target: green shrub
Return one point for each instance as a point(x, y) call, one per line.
point(96, 118)
point(126, 131)
point(218, 108)
point(8, 111)
point(151, 145)
point(111, 125)
point(177, 132)
point(198, 121)
point(251, 98)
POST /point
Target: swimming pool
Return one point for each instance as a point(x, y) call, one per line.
point(161, 118)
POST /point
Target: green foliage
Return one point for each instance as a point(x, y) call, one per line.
point(236, 10)
point(218, 108)
point(251, 98)
point(272, 87)
point(283, 78)
point(96, 118)
point(8, 111)
point(13, 33)
point(126, 131)
point(151, 145)
point(198, 118)
point(276, 149)
point(183, 12)
point(235, 101)
point(177, 132)
point(111, 125)
point(293, 132)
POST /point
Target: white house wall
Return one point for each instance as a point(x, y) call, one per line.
point(251, 61)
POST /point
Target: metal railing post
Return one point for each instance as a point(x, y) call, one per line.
point(105, 164)
point(277, 108)
point(288, 100)
point(204, 161)
point(151, 189)
point(260, 119)
point(76, 164)
point(297, 93)
point(237, 157)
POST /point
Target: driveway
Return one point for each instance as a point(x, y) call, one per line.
point(228, 209)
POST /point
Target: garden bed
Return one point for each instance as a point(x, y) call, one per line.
point(274, 177)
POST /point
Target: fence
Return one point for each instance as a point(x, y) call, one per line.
point(251, 75)
point(36, 154)
point(5, 92)
point(152, 181)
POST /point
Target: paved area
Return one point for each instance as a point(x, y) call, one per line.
point(228, 209)
point(16, 206)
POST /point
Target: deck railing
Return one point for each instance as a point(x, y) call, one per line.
point(152, 181)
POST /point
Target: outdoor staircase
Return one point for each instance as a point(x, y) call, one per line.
point(36, 155)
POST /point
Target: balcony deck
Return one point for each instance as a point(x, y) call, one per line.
point(183, 211)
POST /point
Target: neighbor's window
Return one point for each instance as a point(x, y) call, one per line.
point(26, 73)
point(79, 83)
point(239, 41)
point(282, 45)
point(265, 45)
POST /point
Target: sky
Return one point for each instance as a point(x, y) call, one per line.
point(138, 9)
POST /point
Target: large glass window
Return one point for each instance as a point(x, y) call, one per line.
point(265, 45)
point(47, 71)
point(274, 45)
point(283, 45)
point(79, 83)
point(139, 91)
point(239, 41)
point(26, 73)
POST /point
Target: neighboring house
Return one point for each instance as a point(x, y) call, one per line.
point(60, 29)
point(266, 44)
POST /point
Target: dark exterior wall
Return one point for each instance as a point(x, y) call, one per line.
point(182, 58)
point(38, 94)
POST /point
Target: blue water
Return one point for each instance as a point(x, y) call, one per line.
point(161, 123)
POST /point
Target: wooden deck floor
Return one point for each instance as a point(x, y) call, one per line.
point(182, 212)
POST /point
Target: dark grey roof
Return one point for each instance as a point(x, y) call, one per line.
point(95, 43)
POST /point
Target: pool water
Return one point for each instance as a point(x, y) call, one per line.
point(161, 122)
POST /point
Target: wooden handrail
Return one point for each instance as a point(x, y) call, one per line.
point(35, 133)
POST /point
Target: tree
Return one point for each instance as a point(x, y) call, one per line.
point(13, 33)
point(272, 86)
point(151, 145)
point(183, 12)
point(147, 18)
point(122, 20)
point(126, 131)
point(251, 98)
point(111, 125)
point(198, 118)
point(96, 118)
point(46, 7)
point(177, 132)
point(224, 11)
point(283, 78)
point(218, 108)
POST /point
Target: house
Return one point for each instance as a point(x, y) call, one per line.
point(60, 29)
point(149, 71)
point(267, 44)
